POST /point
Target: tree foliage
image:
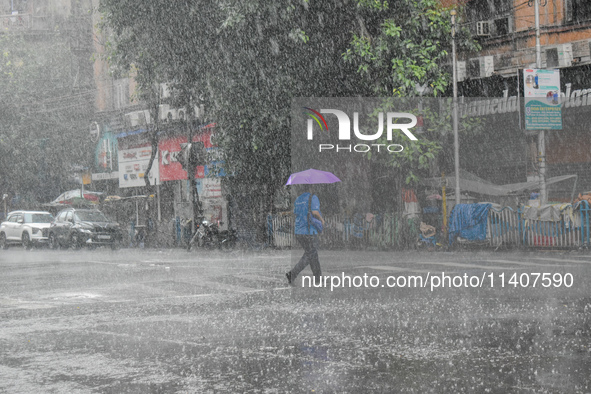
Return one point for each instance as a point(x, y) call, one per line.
point(401, 50)
point(246, 59)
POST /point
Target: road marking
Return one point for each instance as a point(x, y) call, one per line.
point(562, 260)
point(392, 268)
point(523, 263)
point(468, 265)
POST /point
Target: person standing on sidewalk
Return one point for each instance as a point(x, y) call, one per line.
point(306, 234)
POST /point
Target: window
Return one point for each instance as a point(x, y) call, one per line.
point(121, 93)
point(577, 10)
point(62, 216)
point(503, 26)
point(91, 216)
point(69, 216)
point(494, 15)
point(552, 58)
point(473, 68)
point(38, 218)
point(19, 5)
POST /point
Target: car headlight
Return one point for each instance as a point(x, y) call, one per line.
point(85, 230)
point(35, 230)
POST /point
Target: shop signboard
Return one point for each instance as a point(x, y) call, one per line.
point(170, 158)
point(133, 164)
point(103, 176)
point(543, 109)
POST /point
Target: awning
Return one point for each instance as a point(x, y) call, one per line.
point(474, 184)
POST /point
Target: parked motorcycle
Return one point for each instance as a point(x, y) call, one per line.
point(208, 235)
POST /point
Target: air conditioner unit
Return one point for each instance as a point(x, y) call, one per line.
point(559, 56)
point(481, 67)
point(461, 70)
point(163, 110)
point(132, 119)
point(171, 115)
point(143, 117)
point(199, 111)
point(164, 90)
point(483, 28)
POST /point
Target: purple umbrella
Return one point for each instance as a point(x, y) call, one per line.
point(311, 176)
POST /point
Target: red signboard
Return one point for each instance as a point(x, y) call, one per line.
point(170, 157)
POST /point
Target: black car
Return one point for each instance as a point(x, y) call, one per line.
point(75, 228)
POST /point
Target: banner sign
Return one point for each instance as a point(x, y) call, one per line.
point(133, 164)
point(170, 158)
point(543, 109)
point(105, 155)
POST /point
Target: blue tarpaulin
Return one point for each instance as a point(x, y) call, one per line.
point(469, 222)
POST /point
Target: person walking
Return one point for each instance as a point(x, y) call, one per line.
point(306, 234)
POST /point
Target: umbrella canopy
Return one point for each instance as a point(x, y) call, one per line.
point(311, 176)
point(75, 196)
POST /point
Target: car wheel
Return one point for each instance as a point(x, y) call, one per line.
point(116, 245)
point(27, 244)
point(3, 243)
point(74, 242)
point(52, 241)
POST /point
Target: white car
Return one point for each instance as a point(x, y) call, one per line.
point(27, 228)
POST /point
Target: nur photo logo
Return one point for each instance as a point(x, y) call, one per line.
point(394, 122)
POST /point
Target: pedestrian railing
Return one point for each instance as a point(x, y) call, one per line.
point(505, 227)
point(360, 231)
point(502, 227)
point(569, 230)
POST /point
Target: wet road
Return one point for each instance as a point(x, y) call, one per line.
point(167, 321)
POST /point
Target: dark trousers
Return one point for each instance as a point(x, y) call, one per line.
point(310, 244)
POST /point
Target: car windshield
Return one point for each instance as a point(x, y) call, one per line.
point(38, 218)
point(91, 216)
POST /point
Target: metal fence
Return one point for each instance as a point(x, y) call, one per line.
point(505, 227)
point(569, 230)
point(389, 231)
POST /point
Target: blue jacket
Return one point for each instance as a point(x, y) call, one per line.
point(301, 213)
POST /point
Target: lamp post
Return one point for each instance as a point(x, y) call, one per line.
point(4, 197)
point(455, 105)
point(541, 133)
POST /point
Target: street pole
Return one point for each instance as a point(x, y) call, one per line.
point(541, 133)
point(158, 203)
point(455, 106)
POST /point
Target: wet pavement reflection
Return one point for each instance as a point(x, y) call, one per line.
point(229, 324)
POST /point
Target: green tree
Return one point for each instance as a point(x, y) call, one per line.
point(244, 60)
point(401, 50)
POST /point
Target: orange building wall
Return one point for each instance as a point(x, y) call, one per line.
point(574, 148)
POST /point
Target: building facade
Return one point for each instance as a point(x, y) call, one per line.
point(505, 31)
